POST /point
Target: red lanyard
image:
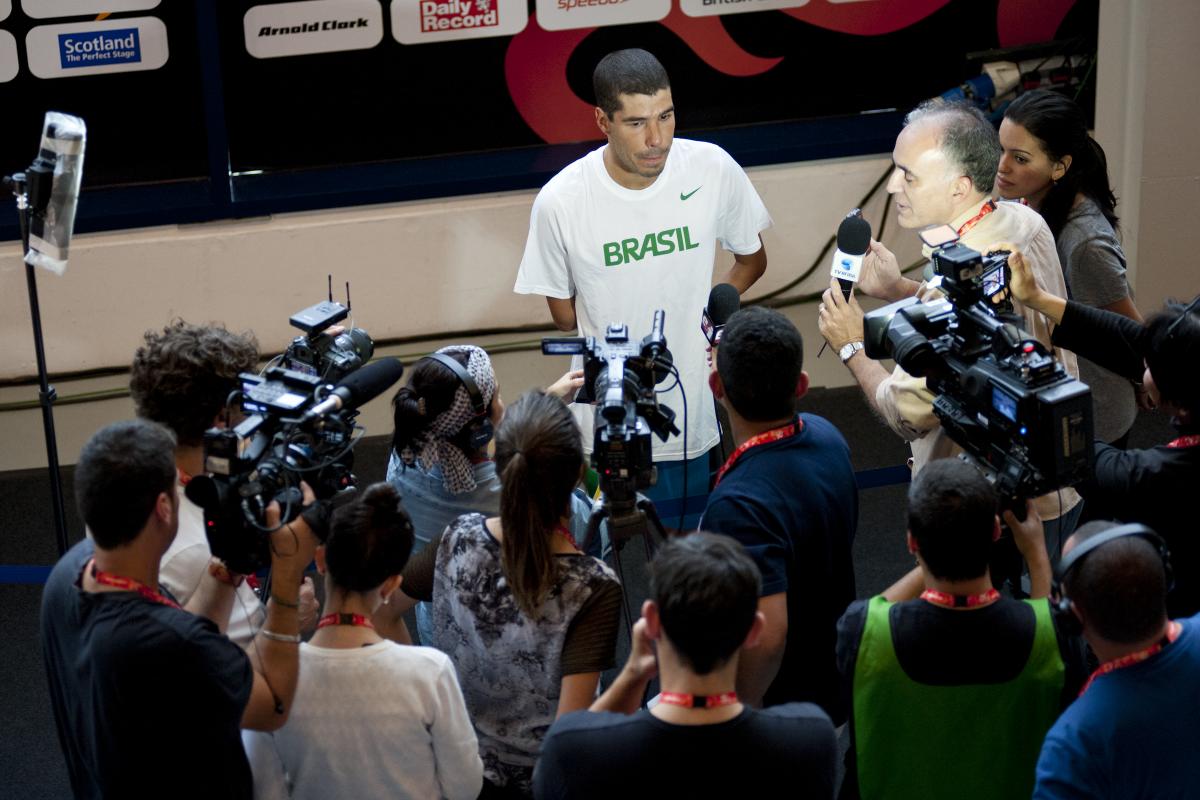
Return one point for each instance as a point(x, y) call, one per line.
point(1185, 441)
point(357, 620)
point(947, 600)
point(564, 532)
point(129, 585)
point(1173, 631)
point(793, 428)
point(698, 700)
point(988, 208)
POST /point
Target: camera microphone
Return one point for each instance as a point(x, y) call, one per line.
point(723, 300)
point(853, 241)
point(359, 387)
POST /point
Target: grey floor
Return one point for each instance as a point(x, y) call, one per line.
point(30, 761)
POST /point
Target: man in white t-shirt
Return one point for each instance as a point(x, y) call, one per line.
point(182, 377)
point(632, 227)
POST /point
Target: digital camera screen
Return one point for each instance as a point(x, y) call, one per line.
point(1005, 403)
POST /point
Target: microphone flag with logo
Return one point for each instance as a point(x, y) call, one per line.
point(853, 241)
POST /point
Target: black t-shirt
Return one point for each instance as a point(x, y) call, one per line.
point(793, 504)
point(587, 754)
point(148, 699)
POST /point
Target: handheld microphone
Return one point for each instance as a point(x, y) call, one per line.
point(54, 180)
point(853, 241)
point(359, 387)
point(723, 300)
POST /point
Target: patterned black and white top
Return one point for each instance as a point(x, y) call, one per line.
point(509, 664)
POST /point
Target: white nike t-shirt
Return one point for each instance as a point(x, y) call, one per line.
point(624, 253)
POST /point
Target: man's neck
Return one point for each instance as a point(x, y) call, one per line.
point(969, 206)
point(623, 178)
point(963, 588)
point(742, 430)
point(676, 678)
point(1110, 651)
point(134, 560)
point(189, 459)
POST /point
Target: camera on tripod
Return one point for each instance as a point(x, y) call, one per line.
point(619, 377)
point(295, 427)
point(1000, 395)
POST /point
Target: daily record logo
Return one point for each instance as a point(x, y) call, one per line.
point(419, 21)
point(314, 26)
point(710, 8)
point(557, 15)
point(75, 49)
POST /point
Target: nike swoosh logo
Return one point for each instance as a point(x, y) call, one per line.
point(683, 196)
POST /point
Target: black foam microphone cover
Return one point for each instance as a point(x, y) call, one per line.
point(723, 300)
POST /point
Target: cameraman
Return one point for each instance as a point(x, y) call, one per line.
point(182, 378)
point(1147, 486)
point(147, 697)
point(945, 159)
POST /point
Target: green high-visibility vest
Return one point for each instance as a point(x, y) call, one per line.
point(976, 741)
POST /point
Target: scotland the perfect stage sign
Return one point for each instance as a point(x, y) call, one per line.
point(91, 48)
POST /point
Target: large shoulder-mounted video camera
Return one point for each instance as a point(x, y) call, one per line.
point(296, 427)
point(1000, 395)
point(619, 377)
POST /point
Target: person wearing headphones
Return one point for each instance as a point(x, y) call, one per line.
point(952, 686)
point(1147, 486)
point(1134, 731)
point(444, 420)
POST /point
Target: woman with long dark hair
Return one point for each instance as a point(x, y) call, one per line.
point(1049, 159)
point(529, 621)
point(371, 718)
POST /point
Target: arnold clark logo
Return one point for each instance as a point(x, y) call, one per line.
point(89, 48)
point(419, 21)
point(312, 26)
point(557, 15)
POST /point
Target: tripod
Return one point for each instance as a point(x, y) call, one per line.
point(32, 192)
point(627, 518)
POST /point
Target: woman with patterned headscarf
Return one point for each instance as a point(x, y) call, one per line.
point(439, 461)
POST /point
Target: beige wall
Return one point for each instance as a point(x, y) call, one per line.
point(1147, 119)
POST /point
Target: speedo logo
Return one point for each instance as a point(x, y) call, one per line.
point(652, 244)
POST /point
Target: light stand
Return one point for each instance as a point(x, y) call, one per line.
point(32, 192)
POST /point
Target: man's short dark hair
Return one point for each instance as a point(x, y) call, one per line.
point(121, 472)
point(1121, 586)
point(183, 375)
point(706, 589)
point(967, 137)
point(760, 360)
point(632, 71)
point(951, 514)
point(1173, 354)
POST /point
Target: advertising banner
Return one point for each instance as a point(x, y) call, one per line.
point(313, 26)
point(73, 49)
point(422, 21)
point(561, 15)
point(52, 9)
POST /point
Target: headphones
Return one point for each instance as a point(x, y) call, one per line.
point(478, 432)
point(1060, 604)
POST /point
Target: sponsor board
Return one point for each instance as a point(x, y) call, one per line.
point(131, 44)
point(712, 8)
point(560, 15)
point(312, 26)
point(9, 66)
point(5, 9)
point(421, 21)
point(51, 9)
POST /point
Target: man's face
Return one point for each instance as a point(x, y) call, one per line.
point(639, 137)
point(923, 182)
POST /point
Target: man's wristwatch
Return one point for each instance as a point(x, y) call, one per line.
point(848, 350)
